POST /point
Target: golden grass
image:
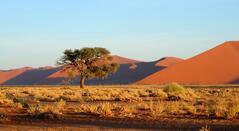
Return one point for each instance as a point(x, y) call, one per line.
point(124, 101)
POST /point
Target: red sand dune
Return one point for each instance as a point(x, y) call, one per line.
point(168, 61)
point(60, 74)
point(219, 65)
point(129, 72)
point(9, 74)
point(31, 77)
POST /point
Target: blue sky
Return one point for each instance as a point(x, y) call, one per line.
point(35, 33)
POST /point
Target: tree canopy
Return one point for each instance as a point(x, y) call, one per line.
point(87, 63)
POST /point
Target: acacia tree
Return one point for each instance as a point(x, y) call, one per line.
point(87, 63)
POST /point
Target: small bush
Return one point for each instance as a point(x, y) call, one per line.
point(176, 92)
point(173, 87)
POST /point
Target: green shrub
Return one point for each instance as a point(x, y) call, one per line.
point(176, 92)
point(173, 87)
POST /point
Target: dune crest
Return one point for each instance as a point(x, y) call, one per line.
point(122, 60)
point(168, 61)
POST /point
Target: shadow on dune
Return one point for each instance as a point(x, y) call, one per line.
point(124, 75)
point(52, 81)
point(236, 81)
point(31, 77)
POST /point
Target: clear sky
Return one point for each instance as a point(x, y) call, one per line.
point(36, 32)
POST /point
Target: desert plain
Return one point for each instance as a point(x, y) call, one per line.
point(118, 107)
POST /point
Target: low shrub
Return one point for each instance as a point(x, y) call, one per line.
point(176, 92)
point(173, 87)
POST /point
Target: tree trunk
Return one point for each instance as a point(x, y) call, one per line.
point(82, 82)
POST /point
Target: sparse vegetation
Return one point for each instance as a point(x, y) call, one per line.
point(221, 108)
point(146, 102)
point(47, 111)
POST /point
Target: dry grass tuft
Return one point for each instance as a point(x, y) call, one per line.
point(156, 109)
point(44, 112)
point(224, 108)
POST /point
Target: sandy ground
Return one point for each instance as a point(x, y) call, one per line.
point(103, 124)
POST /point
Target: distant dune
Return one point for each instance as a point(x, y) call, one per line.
point(219, 65)
point(31, 77)
point(168, 61)
point(9, 74)
point(130, 71)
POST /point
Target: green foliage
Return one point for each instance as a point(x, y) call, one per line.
point(173, 87)
point(88, 63)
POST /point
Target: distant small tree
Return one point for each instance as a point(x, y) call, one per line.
point(87, 63)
